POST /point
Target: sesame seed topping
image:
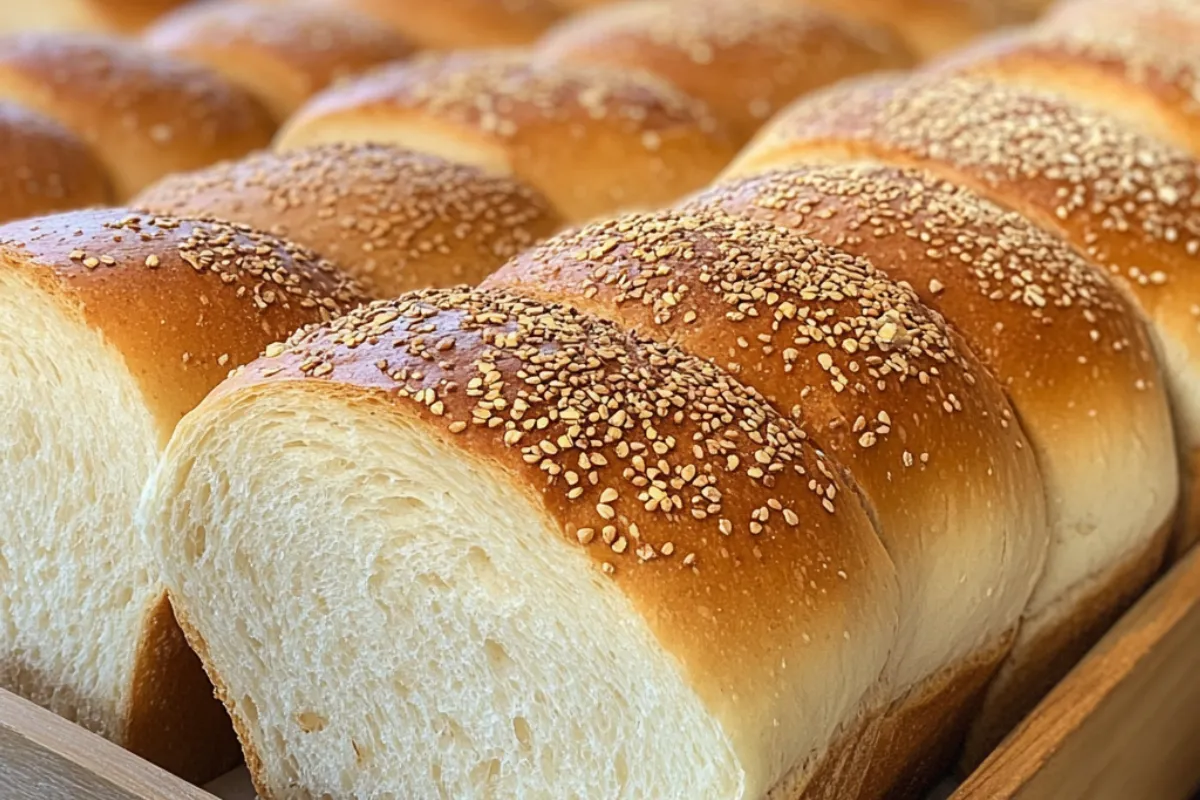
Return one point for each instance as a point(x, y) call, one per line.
point(641, 416)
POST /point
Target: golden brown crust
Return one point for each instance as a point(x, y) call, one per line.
point(1124, 73)
point(829, 339)
point(241, 730)
point(454, 24)
point(1059, 648)
point(745, 61)
point(173, 719)
point(44, 167)
point(707, 508)
point(923, 732)
point(143, 114)
point(394, 219)
point(1127, 202)
point(1041, 317)
point(184, 301)
point(281, 54)
point(591, 139)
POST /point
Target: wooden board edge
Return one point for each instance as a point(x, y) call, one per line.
point(1126, 721)
point(44, 757)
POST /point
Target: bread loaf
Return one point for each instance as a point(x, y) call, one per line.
point(1126, 74)
point(44, 167)
point(1123, 200)
point(540, 557)
point(114, 325)
point(144, 115)
point(745, 60)
point(457, 24)
point(395, 220)
point(282, 54)
point(1071, 352)
point(121, 16)
point(591, 139)
point(879, 382)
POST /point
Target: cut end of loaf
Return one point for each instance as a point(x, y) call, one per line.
point(420, 629)
point(78, 444)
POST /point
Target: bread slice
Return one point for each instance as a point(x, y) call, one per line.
point(113, 326)
point(464, 544)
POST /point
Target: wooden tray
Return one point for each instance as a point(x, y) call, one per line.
point(1124, 725)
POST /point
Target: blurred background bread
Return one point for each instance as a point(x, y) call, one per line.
point(280, 53)
point(457, 24)
point(394, 219)
point(746, 60)
point(117, 16)
point(143, 114)
point(44, 167)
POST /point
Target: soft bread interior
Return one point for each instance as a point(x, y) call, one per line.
point(78, 444)
point(390, 617)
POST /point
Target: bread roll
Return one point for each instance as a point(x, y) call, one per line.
point(143, 114)
point(541, 557)
point(933, 26)
point(457, 24)
point(1126, 74)
point(591, 139)
point(395, 220)
point(44, 167)
point(880, 383)
point(1125, 201)
point(1073, 355)
point(1173, 22)
point(114, 325)
point(745, 60)
point(282, 54)
point(122, 16)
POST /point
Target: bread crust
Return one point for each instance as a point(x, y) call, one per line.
point(1053, 653)
point(143, 114)
point(1126, 202)
point(455, 24)
point(1126, 74)
point(282, 54)
point(173, 719)
point(745, 62)
point(44, 167)
point(394, 219)
point(181, 319)
point(592, 140)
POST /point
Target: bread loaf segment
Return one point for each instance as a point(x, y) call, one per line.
point(640, 578)
point(745, 60)
point(44, 167)
point(1125, 201)
point(143, 114)
point(1125, 73)
point(395, 219)
point(880, 382)
point(282, 54)
point(114, 325)
point(1071, 352)
point(592, 139)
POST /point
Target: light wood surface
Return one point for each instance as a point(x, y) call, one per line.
point(1125, 724)
point(43, 757)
